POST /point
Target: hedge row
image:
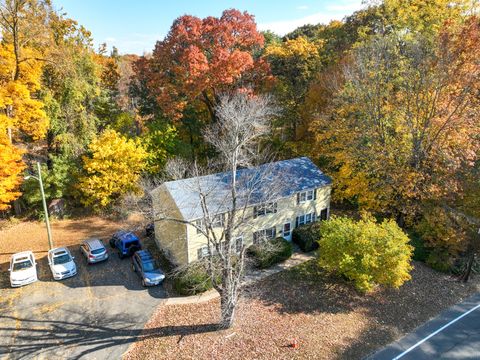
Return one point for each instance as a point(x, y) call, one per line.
point(270, 253)
point(192, 279)
point(307, 236)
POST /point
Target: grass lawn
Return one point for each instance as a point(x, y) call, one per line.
point(327, 316)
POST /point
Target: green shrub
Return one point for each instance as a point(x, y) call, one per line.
point(271, 252)
point(192, 279)
point(366, 252)
point(307, 236)
point(440, 260)
point(420, 251)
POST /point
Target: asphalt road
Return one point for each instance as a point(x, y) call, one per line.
point(95, 315)
point(454, 334)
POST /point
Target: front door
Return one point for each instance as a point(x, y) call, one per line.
point(287, 231)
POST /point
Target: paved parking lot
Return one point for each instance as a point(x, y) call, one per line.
point(95, 315)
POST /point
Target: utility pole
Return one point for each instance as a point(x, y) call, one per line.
point(44, 201)
point(45, 209)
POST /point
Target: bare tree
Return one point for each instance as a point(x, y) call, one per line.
point(243, 122)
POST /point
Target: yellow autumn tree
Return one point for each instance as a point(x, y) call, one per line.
point(294, 64)
point(20, 113)
point(19, 109)
point(111, 169)
point(11, 167)
point(366, 252)
point(26, 43)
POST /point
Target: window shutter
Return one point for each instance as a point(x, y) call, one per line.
point(314, 217)
point(298, 198)
point(315, 194)
point(296, 221)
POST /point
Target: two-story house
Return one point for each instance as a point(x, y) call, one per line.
point(295, 192)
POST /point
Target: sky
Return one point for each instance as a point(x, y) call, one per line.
point(133, 26)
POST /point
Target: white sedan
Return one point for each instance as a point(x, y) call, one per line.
point(61, 263)
point(23, 269)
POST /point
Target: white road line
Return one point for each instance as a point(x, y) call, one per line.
point(435, 333)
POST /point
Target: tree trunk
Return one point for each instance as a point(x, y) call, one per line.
point(17, 207)
point(468, 270)
point(227, 306)
point(210, 106)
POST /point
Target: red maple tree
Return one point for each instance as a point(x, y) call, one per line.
point(201, 58)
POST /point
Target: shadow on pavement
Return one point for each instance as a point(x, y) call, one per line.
point(42, 336)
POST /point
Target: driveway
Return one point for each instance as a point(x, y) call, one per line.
point(95, 315)
point(454, 334)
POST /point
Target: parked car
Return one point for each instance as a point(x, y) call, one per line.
point(125, 242)
point(94, 250)
point(23, 269)
point(145, 266)
point(61, 263)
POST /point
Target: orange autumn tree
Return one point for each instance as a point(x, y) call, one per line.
point(403, 127)
point(200, 58)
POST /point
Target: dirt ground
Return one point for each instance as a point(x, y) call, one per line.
point(329, 319)
point(32, 235)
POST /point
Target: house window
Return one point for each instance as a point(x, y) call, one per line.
point(218, 220)
point(301, 220)
point(202, 252)
point(305, 219)
point(264, 209)
point(308, 218)
point(305, 196)
point(200, 226)
point(265, 234)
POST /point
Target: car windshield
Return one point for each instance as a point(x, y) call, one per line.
point(149, 266)
point(26, 264)
point(97, 251)
point(62, 259)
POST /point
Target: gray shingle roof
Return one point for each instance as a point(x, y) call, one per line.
point(256, 185)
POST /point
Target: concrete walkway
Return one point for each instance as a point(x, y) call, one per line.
point(296, 259)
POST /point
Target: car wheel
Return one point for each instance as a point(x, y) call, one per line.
point(120, 255)
point(112, 243)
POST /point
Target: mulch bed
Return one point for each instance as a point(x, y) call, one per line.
point(327, 316)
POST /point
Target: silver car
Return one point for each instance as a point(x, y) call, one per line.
point(94, 250)
point(61, 263)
